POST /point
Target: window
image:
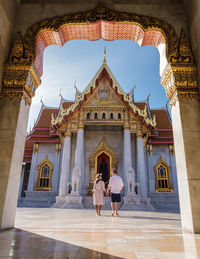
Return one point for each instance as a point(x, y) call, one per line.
point(119, 116)
point(45, 169)
point(104, 95)
point(95, 116)
point(162, 172)
point(111, 116)
point(88, 116)
point(103, 116)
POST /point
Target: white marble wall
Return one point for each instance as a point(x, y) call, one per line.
point(157, 152)
point(92, 139)
point(54, 157)
point(159, 199)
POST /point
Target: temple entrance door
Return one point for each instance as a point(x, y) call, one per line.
point(103, 167)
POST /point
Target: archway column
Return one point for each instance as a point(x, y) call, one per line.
point(20, 80)
point(186, 130)
point(180, 83)
point(14, 118)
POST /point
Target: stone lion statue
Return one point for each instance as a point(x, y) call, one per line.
point(76, 176)
point(130, 176)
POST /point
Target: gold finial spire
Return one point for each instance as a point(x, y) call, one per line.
point(75, 85)
point(104, 60)
point(149, 95)
point(60, 93)
point(41, 100)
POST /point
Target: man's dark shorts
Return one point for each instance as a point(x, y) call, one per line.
point(115, 197)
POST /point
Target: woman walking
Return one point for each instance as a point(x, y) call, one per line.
point(98, 193)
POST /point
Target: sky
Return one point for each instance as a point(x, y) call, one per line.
point(80, 60)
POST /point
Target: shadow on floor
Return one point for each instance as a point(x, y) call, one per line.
point(20, 244)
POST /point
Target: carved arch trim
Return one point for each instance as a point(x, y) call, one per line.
point(23, 69)
point(167, 167)
point(40, 166)
point(102, 148)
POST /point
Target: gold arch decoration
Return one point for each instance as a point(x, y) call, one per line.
point(23, 69)
point(102, 148)
point(163, 182)
point(44, 179)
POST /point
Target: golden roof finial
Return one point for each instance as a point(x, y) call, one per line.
point(41, 100)
point(104, 59)
point(60, 93)
point(148, 96)
point(75, 85)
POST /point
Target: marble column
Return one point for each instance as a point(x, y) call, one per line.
point(79, 149)
point(186, 131)
point(141, 172)
point(127, 150)
point(79, 143)
point(65, 166)
point(14, 118)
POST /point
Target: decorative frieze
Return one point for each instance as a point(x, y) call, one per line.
point(149, 149)
point(35, 147)
point(171, 149)
point(20, 77)
point(179, 78)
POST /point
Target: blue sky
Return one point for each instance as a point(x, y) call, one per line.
point(80, 59)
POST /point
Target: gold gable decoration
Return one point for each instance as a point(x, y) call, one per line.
point(104, 96)
point(127, 97)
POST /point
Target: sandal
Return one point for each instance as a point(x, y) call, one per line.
point(113, 213)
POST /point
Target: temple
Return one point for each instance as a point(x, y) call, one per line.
point(103, 129)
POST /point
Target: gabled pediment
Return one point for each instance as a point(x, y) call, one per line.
point(104, 95)
point(103, 90)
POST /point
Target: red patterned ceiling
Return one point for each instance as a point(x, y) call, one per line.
point(94, 31)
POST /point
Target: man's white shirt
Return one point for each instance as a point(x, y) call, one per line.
point(116, 184)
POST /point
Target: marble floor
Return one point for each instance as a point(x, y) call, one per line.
point(67, 233)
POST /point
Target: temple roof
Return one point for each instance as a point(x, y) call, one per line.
point(104, 70)
point(163, 134)
point(161, 130)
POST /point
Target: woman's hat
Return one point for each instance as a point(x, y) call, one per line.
point(98, 176)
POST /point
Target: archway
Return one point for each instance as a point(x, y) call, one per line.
point(103, 151)
point(103, 166)
point(178, 72)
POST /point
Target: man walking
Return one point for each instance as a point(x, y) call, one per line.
point(115, 186)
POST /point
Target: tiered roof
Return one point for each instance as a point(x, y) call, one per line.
point(44, 130)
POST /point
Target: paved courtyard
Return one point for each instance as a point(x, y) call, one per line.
point(61, 233)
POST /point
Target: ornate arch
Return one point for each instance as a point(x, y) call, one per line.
point(47, 179)
point(165, 178)
point(24, 67)
point(102, 148)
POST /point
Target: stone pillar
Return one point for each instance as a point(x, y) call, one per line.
point(14, 118)
point(127, 150)
point(79, 143)
point(141, 172)
point(79, 149)
point(75, 199)
point(65, 166)
point(186, 130)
